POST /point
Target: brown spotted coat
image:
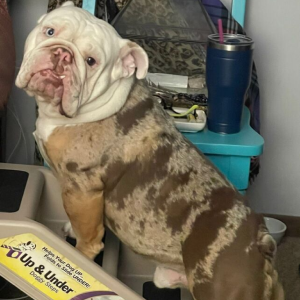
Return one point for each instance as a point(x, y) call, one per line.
point(163, 199)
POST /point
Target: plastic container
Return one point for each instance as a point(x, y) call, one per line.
point(276, 228)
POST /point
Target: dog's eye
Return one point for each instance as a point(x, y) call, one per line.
point(90, 61)
point(50, 32)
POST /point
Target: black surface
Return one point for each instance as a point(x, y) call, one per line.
point(9, 291)
point(151, 292)
point(12, 187)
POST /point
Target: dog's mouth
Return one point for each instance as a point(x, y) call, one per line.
point(55, 78)
point(52, 86)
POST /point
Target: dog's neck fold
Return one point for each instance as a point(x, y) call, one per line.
point(110, 103)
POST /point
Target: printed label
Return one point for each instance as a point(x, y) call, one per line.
point(49, 271)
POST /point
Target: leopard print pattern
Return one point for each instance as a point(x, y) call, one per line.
point(52, 4)
point(174, 57)
point(155, 12)
point(167, 23)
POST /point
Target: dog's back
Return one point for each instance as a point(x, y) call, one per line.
point(188, 211)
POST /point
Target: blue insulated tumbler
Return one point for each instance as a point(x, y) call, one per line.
point(228, 73)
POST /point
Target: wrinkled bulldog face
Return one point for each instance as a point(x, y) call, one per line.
point(72, 58)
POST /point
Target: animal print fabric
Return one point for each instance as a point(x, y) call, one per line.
point(174, 42)
point(52, 4)
point(174, 57)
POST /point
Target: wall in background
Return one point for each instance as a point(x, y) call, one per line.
point(275, 28)
point(25, 14)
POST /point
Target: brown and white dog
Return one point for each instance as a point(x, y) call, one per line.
point(121, 162)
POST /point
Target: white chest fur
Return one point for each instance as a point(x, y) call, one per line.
point(43, 130)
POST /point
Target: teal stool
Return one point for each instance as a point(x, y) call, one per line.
point(231, 153)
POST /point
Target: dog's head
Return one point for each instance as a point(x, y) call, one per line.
point(73, 59)
point(27, 246)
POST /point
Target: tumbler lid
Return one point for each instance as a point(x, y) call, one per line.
point(232, 42)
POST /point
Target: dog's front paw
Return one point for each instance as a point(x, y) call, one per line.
point(68, 230)
point(90, 250)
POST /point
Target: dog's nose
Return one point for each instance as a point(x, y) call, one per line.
point(62, 55)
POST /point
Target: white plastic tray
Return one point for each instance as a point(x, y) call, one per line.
point(189, 126)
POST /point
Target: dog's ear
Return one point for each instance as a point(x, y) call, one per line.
point(133, 57)
point(68, 3)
